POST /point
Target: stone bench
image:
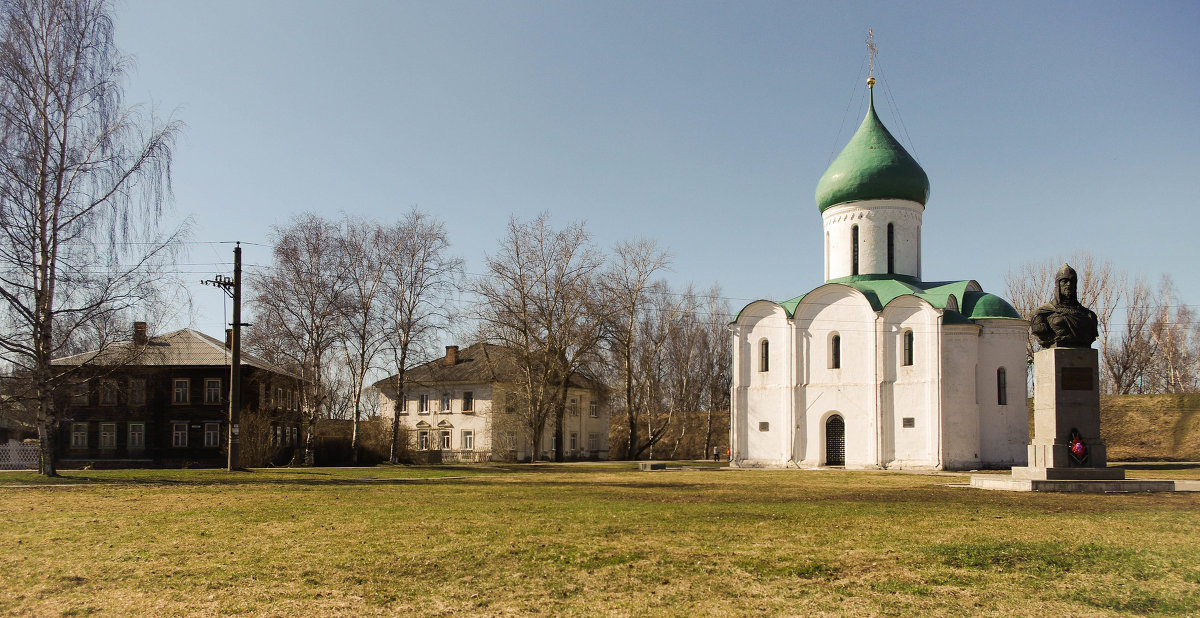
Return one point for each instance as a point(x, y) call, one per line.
point(647, 466)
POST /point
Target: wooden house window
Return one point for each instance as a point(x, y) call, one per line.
point(179, 436)
point(212, 435)
point(79, 435)
point(137, 436)
point(108, 393)
point(108, 436)
point(137, 392)
point(212, 390)
point(179, 391)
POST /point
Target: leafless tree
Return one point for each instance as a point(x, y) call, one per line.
point(298, 306)
point(538, 298)
point(1129, 349)
point(1171, 331)
point(83, 183)
point(363, 255)
point(420, 278)
point(628, 284)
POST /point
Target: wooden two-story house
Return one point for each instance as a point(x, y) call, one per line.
point(164, 401)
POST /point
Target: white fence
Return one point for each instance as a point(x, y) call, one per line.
point(19, 455)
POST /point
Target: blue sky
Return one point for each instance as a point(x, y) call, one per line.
point(1044, 127)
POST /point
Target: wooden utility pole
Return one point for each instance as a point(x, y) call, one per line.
point(233, 287)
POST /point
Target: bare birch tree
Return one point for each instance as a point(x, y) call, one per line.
point(1129, 349)
point(628, 284)
point(83, 184)
point(537, 299)
point(298, 305)
point(1171, 330)
point(420, 279)
point(362, 247)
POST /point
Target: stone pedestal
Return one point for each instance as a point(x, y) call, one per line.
point(1066, 398)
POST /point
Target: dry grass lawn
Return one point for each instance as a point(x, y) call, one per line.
point(585, 540)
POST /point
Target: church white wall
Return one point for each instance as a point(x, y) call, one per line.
point(850, 390)
point(760, 399)
point(910, 391)
point(1004, 429)
point(960, 411)
point(872, 218)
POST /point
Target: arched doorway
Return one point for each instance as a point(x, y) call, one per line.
point(835, 441)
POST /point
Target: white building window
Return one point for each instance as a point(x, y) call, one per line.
point(573, 406)
point(212, 390)
point(79, 436)
point(108, 435)
point(423, 404)
point(137, 436)
point(179, 433)
point(179, 390)
point(593, 441)
point(593, 410)
point(108, 393)
point(468, 401)
point(137, 392)
point(423, 440)
point(445, 403)
point(468, 440)
point(445, 439)
point(212, 435)
point(574, 443)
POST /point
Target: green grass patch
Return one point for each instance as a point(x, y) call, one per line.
point(1040, 557)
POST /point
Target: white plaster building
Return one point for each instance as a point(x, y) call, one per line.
point(462, 407)
point(877, 368)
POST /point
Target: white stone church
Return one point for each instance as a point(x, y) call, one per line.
point(877, 368)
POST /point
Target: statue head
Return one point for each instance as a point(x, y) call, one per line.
point(1065, 283)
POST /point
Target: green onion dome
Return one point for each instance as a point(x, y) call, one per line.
point(873, 166)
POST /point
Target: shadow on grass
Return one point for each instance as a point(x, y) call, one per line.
point(1157, 465)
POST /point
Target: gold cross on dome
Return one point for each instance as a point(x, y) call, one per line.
point(871, 51)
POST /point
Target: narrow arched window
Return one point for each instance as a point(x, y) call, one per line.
point(764, 355)
point(827, 256)
point(891, 248)
point(1001, 387)
point(835, 352)
point(907, 358)
point(854, 250)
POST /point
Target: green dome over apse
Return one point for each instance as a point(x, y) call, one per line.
point(873, 166)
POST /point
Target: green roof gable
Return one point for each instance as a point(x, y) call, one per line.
point(880, 290)
point(872, 166)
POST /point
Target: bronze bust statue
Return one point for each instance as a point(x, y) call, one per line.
point(1064, 323)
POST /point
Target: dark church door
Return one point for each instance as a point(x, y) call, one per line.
point(835, 441)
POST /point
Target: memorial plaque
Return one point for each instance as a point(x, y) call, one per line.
point(1077, 378)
